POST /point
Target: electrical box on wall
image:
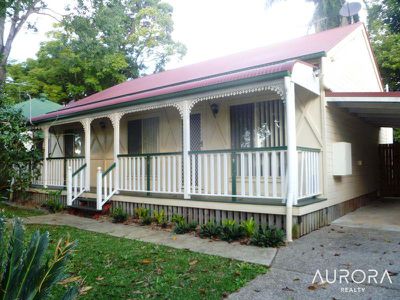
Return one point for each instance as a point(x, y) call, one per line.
point(341, 155)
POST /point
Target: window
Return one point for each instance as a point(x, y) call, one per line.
point(72, 144)
point(260, 124)
point(143, 136)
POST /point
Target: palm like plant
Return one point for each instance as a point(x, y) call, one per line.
point(24, 271)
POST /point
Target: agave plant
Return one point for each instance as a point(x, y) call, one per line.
point(25, 273)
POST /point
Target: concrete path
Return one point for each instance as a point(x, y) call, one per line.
point(331, 248)
point(382, 214)
point(263, 256)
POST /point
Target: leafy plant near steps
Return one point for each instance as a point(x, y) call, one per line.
point(54, 204)
point(231, 231)
point(268, 237)
point(181, 226)
point(210, 230)
point(119, 215)
point(25, 273)
point(143, 215)
point(249, 227)
point(160, 218)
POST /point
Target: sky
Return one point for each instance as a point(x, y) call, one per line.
point(208, 28)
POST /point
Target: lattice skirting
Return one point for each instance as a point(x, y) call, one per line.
point(306, 223)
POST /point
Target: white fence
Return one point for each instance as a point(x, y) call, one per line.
point(252, 173)
point(56, 170)
point(309, 172)
point(75, 183)
point(155, 173)
point(105, 186)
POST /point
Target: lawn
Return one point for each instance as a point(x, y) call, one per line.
point(9, 211)
point(118, 268)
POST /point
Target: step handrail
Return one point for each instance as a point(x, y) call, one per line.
point(75, 189)
point(105, 187)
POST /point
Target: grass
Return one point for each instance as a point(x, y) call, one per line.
point(16, 211)
point(118, 268)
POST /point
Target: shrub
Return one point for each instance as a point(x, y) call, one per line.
point(270, 237)
point(181, 226)
point(249, 227)
point(54, 204)
point(231, 231)
point(160, 218)
point(25, 272)
point(210, 230)
point(143, 215)
point(119, 215)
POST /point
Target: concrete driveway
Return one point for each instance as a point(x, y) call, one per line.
point(383, 214)
point(332, 248)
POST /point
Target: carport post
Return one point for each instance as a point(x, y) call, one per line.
point(292, 172)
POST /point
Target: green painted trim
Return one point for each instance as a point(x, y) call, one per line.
point(173, 95)
point(239, 150)
point(149, 154)
point(109, 169)
point(308, 149)
point(64, 157)
point(80, 169)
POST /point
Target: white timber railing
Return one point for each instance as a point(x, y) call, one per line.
point(56, 170)
point(105, 186)
point(152, 173)
point(309, 172)
point(75, 183)
point(243, 173)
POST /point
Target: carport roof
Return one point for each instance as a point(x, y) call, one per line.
point(378, 108)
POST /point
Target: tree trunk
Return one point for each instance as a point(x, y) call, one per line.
point(2, 74)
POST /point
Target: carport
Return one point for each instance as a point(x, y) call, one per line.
point(381, 109)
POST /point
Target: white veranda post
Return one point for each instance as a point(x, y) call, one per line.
point(292, 176)
point(116, 125)
point(45, 154)
point(86, 127)
point(185, 111)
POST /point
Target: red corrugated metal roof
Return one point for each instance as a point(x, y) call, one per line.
point(224, 69)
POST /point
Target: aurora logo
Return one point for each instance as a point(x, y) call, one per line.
point(357, 276)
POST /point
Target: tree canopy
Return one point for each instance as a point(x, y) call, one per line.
point(99, 43)
point(384, 28)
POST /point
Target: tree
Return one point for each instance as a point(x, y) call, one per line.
point(384, 29)
point(326, 13)
point(14, 13)
point(19, 154)
point(98, 44)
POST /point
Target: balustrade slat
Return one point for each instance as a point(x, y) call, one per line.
point(212, 169)
point(225, 156)
point(206, 174)
point(199, 175)
point(250, 176)
point(219, 187)
point(242, 175)
point(274, 173)
point(173, 174)
point(258, 174)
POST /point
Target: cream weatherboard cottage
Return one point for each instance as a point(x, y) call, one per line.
point(246, 135)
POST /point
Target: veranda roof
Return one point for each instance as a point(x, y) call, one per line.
point(381, 109)
point(261, 63)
